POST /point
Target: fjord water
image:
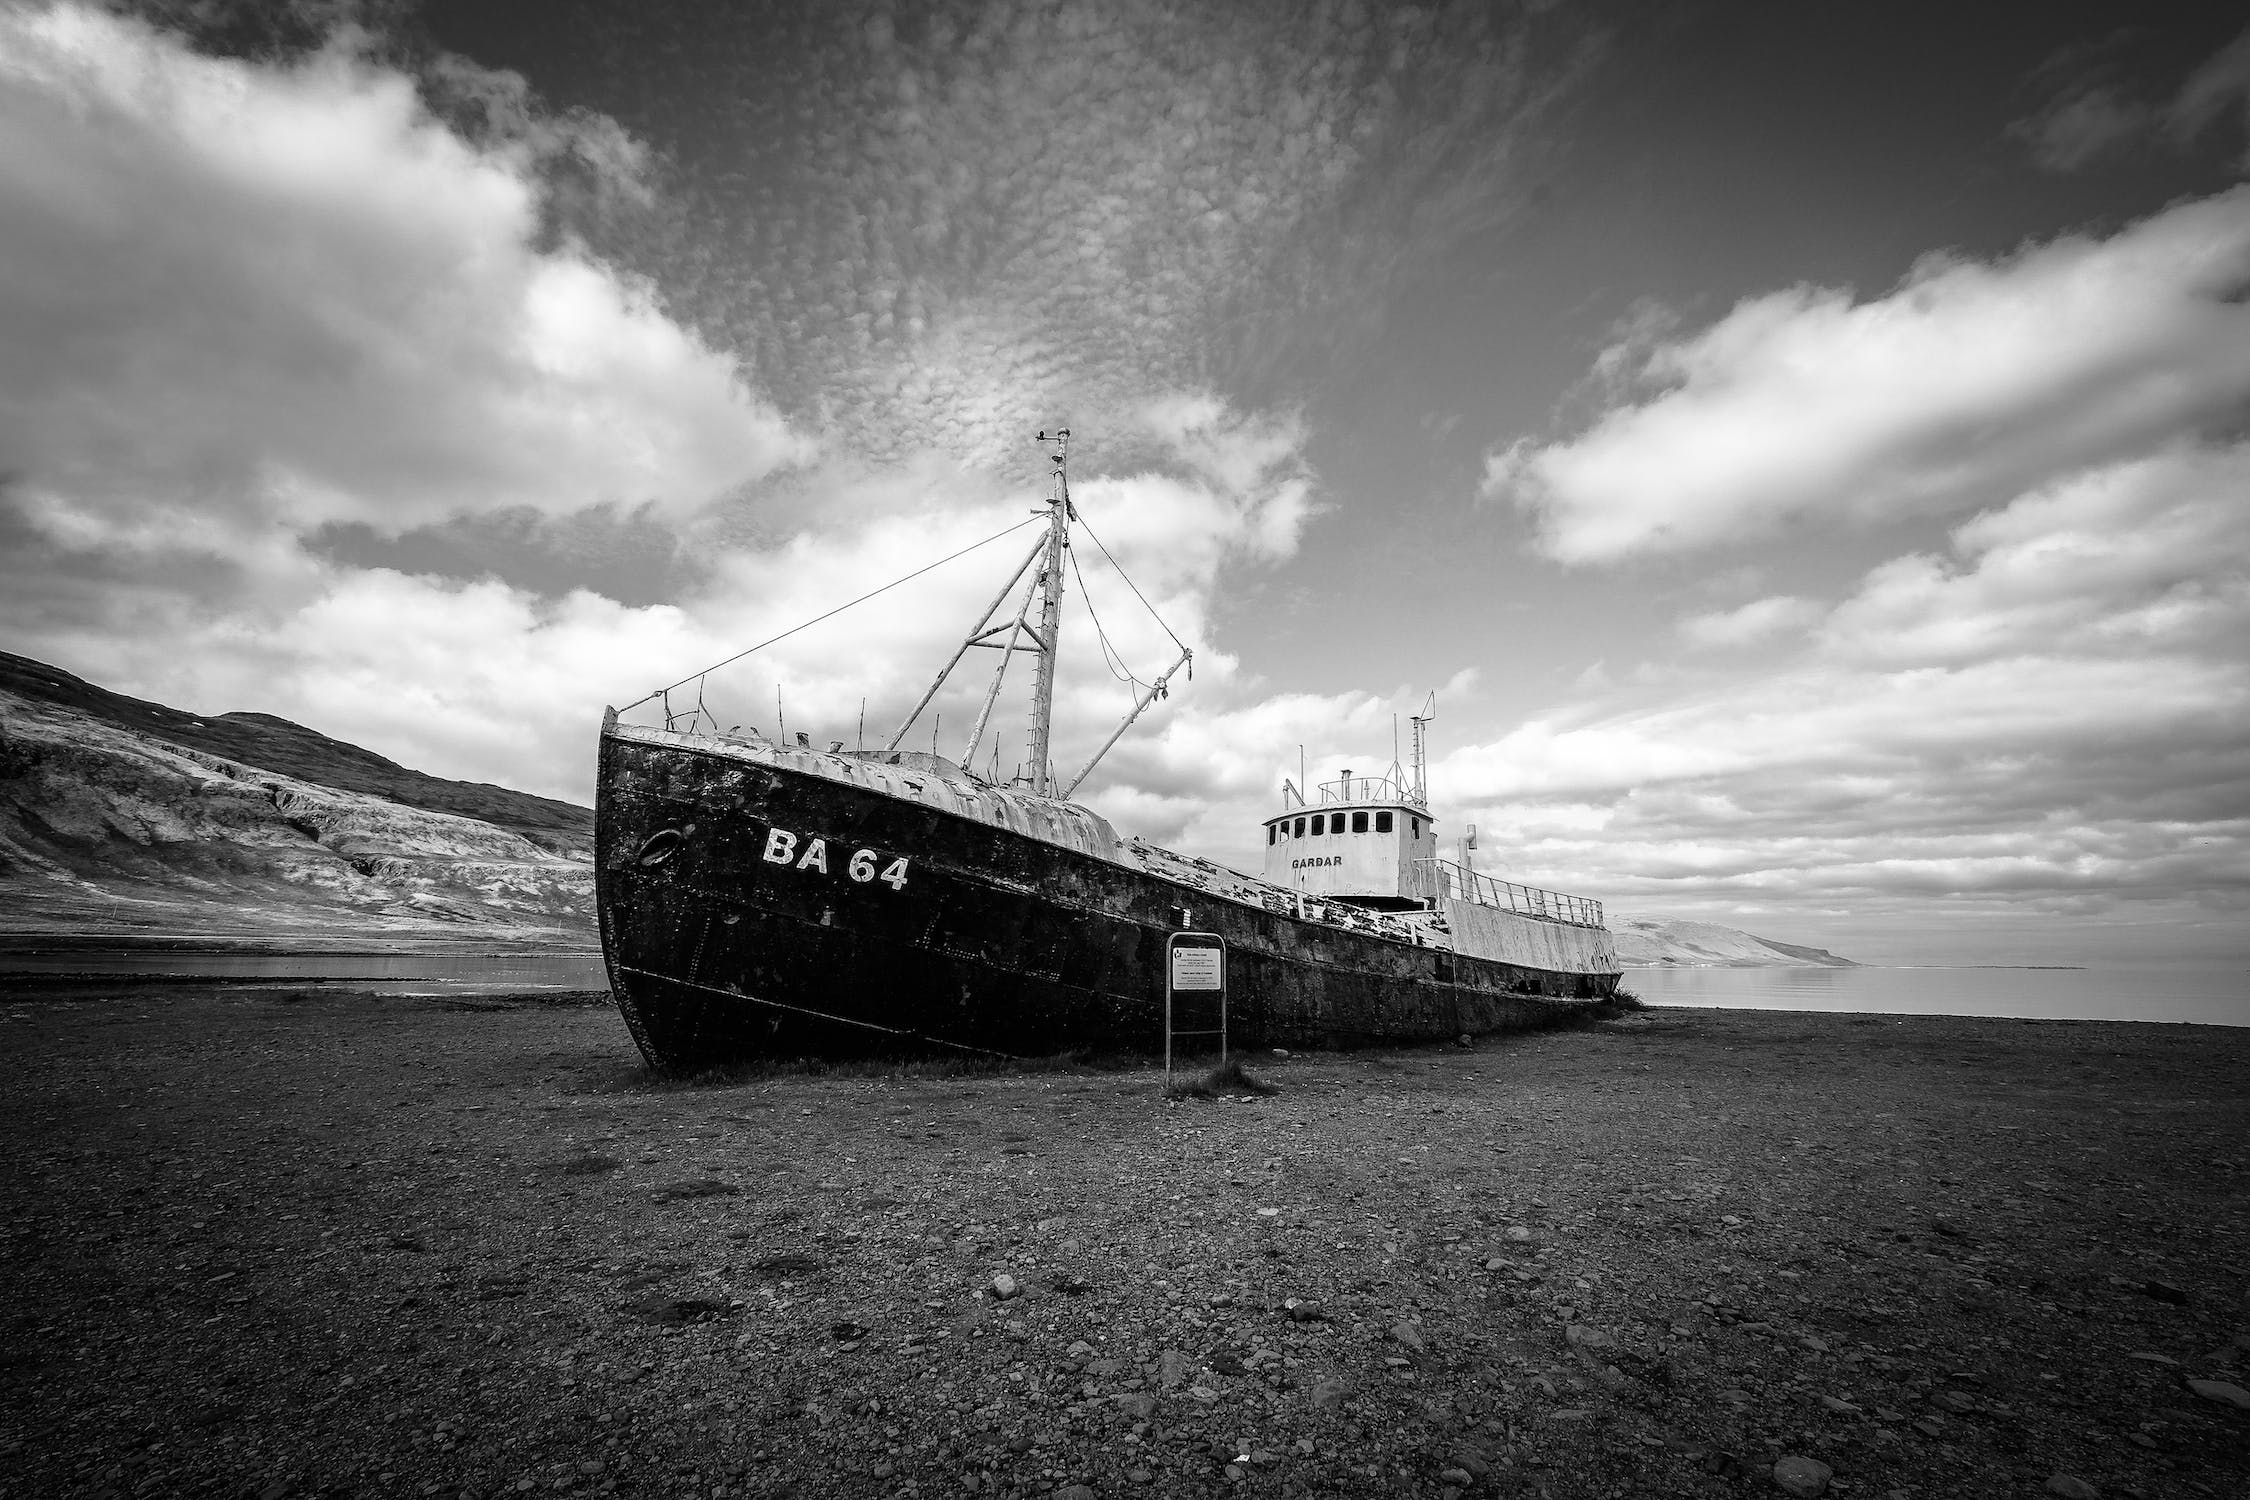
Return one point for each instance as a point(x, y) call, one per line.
point(382, 972)
point(2211, 996)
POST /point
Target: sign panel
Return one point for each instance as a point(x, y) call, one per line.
point(1198, 968)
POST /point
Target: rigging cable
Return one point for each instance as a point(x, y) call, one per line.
point(839, 609)
point(1136, 588)
point(1115, 661)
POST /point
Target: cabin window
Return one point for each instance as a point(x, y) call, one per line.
point(1300, 828)
point(1382, 822)
point(1273, 831)
point(1417, 822)
point(1319, 819)
point(1359, 822)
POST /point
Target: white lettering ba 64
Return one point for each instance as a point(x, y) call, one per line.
point(809, 855)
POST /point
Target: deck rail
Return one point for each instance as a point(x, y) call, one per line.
point(1442, 878)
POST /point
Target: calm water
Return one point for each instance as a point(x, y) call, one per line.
point(390, 973)
point(2214, 996)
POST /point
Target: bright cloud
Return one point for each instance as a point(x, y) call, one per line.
point(289, 292)
point(1967, 384)
point(2052, 715)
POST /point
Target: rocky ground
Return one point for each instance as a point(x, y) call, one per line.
point(276, 1242)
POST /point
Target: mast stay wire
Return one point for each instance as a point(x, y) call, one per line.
point(839, 609)
point(1136, 588)
point(1115, 661)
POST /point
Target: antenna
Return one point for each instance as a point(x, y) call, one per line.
point(781, 719)
point(1421, 789)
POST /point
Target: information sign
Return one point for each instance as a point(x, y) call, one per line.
point(1198, 968)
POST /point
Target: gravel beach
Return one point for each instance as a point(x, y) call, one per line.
point(266, 1242)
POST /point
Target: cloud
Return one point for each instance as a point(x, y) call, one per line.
point(288, 291)
point(2220, 84)
point(951, 226)
point(2082, 126)
point(1967, 383)
point(2050, 716)
point(2088, 117)
point(1759, 620)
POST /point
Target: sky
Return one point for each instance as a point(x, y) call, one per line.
point(1805, 449)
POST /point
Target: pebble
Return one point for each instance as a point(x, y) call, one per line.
point(1331, 1393)
point(1801, 1476)
point(2221, 1391)
point(2071, 1487)
point(1004, 1287)
point(1409, 1335)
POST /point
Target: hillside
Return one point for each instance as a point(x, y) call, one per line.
point(273, 744)
point(108, 827)
point(1645, 942)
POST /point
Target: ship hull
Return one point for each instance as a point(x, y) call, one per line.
point(750, 908)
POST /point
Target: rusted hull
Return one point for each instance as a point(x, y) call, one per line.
point(730, 935)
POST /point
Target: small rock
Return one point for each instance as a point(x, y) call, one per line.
point(1331, 1393)
point(1495, 1263)
point(1952, 1401)
point(1139, 1405)
point(1075, 1492)
point(1004, 1287)
point(1303, 1310)
point(1839, 1406)
point(1139, 1476)
point(1801, 1476)
point(2071, 1487)
point(2146, 1357)
point(1582, 1336)
point(2221, 1391)
point(1516, 1232)
point(1454, 1476)
point(2164, 1291)
point(1410, 1336)
point(1173, 1369)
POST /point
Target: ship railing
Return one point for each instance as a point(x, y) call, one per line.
point(1348, 789)
point(1444, 878)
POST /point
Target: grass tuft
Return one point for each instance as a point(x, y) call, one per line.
point(1229, 1077)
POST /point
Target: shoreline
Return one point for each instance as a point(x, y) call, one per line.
point(372, 1244)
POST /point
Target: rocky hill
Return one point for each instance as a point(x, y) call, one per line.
point(274, 744)
point(124, 817)
point(1648, 942)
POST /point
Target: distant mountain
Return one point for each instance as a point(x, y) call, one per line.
point(123, 817)
point(1647, 943)
point(273, 744)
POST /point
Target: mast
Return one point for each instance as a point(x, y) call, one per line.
point(1050, 613)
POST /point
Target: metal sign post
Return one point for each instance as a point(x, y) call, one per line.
point(1195, 966)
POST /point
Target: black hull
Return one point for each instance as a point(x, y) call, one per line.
point(954, 933)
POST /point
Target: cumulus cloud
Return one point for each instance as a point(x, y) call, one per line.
point(2048, 717)
point(287, 291)
point(1759, 620)
point(1967, 383)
